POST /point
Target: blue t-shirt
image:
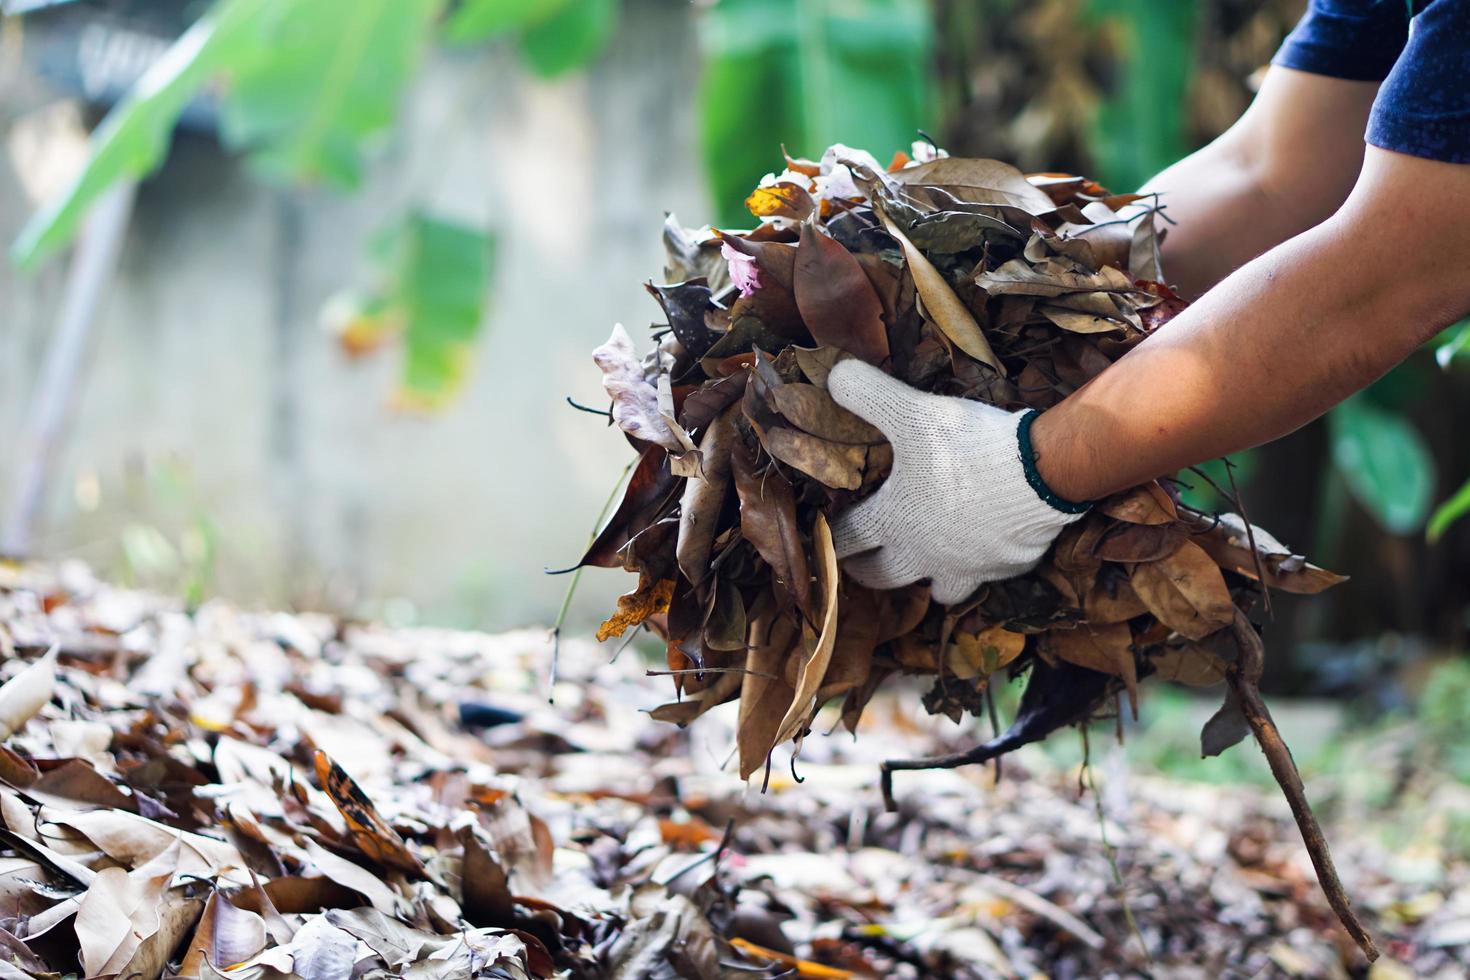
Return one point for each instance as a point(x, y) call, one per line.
point(1418, 49)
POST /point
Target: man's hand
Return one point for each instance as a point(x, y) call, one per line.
point(959, 508)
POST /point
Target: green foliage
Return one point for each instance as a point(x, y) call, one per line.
point(806, 75)
point(571, 37)
point(134, 138)
point(1202, 495)
point(1452, 344)
point(1384, 461)
point(435, 277)
point(1142, 128)
point(556, 36)
point(318, 79)
point(307, 84)
point(481, 20)
point(1448, 512)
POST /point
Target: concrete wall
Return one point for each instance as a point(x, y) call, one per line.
point(208, 360)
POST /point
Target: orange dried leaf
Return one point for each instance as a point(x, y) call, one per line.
point(636, 606)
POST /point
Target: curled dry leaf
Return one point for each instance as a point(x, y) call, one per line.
point(815, 662)
point(635, 401)
point(704, 497)
point(942, 305)
point(27, 693)
point(651, 597)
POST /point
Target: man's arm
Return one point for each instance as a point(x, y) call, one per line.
point(1286, 165)
point(1280, 340)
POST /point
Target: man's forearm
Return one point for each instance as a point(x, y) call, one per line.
point(1284, 167)
point(1278, 342)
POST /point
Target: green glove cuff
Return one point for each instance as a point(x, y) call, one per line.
point(1033, 477)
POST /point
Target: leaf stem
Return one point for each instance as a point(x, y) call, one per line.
point(566, 599)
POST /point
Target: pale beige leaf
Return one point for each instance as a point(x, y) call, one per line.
point(27, 693)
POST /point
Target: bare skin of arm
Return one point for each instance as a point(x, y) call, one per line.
point(1285, 166)
point(1280, 340)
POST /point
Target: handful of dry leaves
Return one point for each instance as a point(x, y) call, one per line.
point(961, 277)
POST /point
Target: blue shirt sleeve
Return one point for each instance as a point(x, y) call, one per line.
point(1423, 108)
point(1418, 49)
point(1357, 40)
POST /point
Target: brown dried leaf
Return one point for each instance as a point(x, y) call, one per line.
point(1104, 648)
point(704, 498)
point(810, 408)
point(768, 521)
point(836, 300)
point(764, 693)
point(857, 636)
point(978, 182)
point(1050, 278)
point(1185, 591)
point(1112, 600)
point(1227, 543)
point(1139, 542)
point(1189, 664)
point(839, 465)
point(1146, 504)
point(370, 832)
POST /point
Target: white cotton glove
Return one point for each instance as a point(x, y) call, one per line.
point(958, 507)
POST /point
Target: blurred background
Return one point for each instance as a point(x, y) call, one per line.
point(298, 291)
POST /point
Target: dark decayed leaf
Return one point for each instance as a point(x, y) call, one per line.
point(649, 490)
point(685, 305)
point(1226, 727)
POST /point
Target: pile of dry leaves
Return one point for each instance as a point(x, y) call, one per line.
point(252, 795)
point(962, 277)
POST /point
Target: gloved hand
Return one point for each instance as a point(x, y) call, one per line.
point(961, 506)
